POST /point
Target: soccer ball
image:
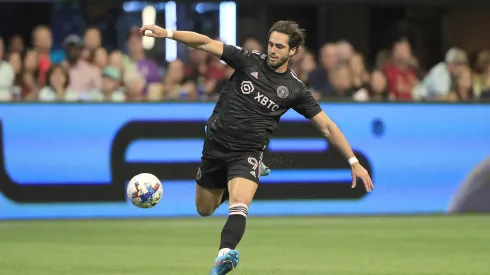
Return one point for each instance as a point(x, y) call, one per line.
point(144, 190)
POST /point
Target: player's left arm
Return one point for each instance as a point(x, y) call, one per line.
point(310, 109)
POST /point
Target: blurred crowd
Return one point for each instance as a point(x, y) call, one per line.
point(89, 72)
point(395, 75)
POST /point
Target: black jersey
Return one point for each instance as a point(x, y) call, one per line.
point(253, 101)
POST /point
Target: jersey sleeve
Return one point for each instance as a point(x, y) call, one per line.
point(306, 105)
point(236, 57)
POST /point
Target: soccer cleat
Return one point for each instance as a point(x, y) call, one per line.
point(264, 170)
point(226, 263)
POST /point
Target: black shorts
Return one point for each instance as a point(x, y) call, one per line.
point(220, 165)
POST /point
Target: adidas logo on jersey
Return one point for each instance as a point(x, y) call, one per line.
point(255, 74)
point(253, 173)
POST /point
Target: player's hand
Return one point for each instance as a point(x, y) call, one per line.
point(153, 31)
point(359, 172)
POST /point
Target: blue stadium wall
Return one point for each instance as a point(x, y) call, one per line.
point(74, 160)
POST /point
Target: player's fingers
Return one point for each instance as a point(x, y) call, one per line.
point(143, 30)
point(147, 28)
point(365, 180)
point(150, 34)
point(354, 179)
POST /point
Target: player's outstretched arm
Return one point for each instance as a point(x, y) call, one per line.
point(332, 132)
point(192, 39)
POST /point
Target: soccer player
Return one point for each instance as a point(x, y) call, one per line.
point(259, 92)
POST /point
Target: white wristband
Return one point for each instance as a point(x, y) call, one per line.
point(353, 160)
point(170, 34)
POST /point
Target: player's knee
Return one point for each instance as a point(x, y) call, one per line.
point(205, 211)
point(241, 198)
point(242, 191)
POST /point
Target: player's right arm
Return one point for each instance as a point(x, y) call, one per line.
point(192, 39)
point(232, 55)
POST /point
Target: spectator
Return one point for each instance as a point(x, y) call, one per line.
point(345, 51)
point(360, 76)
point(481, 80)
point(303, 63)
point(176, 85)
point(197, 64)
point(99, 58)
point(216, 69)
point(155, 92)
point(84, 77)
point(15, 60)
point(116, 60)
point(485, 95)
point(43, 41)
point(16, 44)
point(29, 80)
point(56, 89)
point(463, 88)
point(252, 44)
point(307, 65)
point(377, 90)
point(319, 79)
point(214, 88)
point(295, 61)
point(401, 78)
point(6, 76)
point(414, 64)
point(86, 55)
point(31, 61)
point(197, 69)
point(137, 60)
point(300, 54)
point(135, 84)
point(29, 86)
point(383, 58)
point(437, 85)
point(341, 81)
point(92, 40)
point(111, 86)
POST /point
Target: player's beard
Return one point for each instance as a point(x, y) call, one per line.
point(278, 63)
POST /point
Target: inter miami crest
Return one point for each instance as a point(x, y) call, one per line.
point(199, 174)
point(282, 91)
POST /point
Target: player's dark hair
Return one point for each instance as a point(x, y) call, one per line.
point(292, 29)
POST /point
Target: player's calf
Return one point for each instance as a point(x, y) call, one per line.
point(241, 192)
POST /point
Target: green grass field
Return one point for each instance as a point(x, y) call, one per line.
point(289, 246)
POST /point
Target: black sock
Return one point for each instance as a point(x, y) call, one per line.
point(235, 226)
